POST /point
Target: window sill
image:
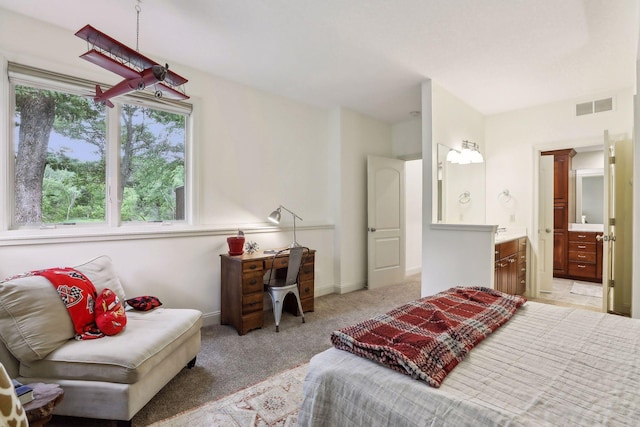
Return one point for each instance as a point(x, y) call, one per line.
point(133, 232)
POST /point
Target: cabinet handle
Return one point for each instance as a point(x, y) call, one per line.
point(582, 266)
point(582, 247)
point(252, 267)
point(582, 256)
point(522, 282)
point(511, 260)
point(581, 236)
point(496, 252)
point(523, 269)
point(307, 289)
point(253, 282)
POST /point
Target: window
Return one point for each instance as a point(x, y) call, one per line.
point(78, 162)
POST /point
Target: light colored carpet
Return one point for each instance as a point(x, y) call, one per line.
point(588, 289)
point(229, 362)
point(273, 402)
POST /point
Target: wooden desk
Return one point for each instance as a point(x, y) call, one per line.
point(242, 287)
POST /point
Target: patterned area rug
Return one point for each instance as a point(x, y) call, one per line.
point(272, 402)
point(588, 289)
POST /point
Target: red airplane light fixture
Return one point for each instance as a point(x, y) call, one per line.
point(138, 71)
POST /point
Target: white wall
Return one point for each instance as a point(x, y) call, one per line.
point(511, 138)
point(413, 216)
point(458, 254)
point(253, 151)
point(353, 137)
point(407, 139)
point(407, 144)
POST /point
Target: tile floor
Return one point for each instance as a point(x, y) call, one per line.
point(561, 295)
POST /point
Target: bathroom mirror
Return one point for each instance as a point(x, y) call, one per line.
point(460, 191)
point(589, 196)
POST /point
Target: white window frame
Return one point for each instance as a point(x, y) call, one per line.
point(28, 76)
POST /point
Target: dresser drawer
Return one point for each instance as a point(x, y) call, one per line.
point(582, 269)
point(252, 303)
point(582, 236)
point(584, 257)
point(582, 247)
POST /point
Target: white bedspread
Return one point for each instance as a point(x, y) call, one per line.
point(548, 365)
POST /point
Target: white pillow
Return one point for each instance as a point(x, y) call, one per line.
point(33, 319)
point(102, 274)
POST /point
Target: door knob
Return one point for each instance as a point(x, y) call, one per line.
point(547, 230)
point(371, 229)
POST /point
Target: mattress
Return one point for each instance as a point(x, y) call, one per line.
point(548, 365)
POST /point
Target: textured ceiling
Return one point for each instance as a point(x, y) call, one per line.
point(371, 55)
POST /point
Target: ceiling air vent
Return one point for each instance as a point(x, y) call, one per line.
point(584, 108)
point(603, 105)
point(597, 106)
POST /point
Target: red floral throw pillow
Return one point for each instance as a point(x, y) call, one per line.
point(144, 303)
point(110, 315)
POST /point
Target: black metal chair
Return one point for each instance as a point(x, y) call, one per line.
point(278, 288)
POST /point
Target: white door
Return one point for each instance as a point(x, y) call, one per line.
point(544, 271)
point(617, 242)
point(386, 217)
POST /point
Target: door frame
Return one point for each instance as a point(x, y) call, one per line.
point(535, 223)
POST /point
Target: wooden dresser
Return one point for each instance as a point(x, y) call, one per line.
point(585, 256)
point(242, 287)
point(511, 266)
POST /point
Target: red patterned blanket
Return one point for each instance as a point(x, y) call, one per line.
point(428, 337)
point(79, 296)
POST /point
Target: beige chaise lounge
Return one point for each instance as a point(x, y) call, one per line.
point(107, 378)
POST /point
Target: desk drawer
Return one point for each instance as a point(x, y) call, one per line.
point(277, 263)
point(306, 289)
point(307, 304)
point(306, 273)
point(252, 282)
point(251, 321)
point(252, 302)
point(252, 266)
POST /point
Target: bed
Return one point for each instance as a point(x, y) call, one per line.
point(547, 365)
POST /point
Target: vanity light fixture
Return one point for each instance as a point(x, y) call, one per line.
point(470, 154)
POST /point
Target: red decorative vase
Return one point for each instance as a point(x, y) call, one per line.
point(236, 245)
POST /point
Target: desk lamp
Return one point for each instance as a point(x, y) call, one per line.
point(275, 218)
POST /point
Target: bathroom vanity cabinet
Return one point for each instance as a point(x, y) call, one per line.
point(511, 266)
point(585, 256)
